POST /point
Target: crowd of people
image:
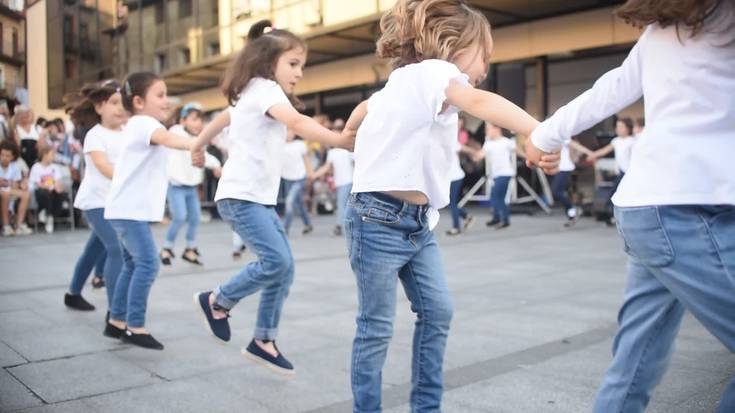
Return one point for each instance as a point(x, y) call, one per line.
point(394, 163)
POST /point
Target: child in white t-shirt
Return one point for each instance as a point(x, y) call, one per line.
point(622, 145)
point(404, 149)
point(45, 182)
point(340, 162)
point(296, 168)
point(259, 85)
point(184, 180)
point(137, 198)
point(10, 188)
point(100, 111)
point(499, 151)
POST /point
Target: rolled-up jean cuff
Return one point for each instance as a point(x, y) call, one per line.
point(118, 317)
point(223, 301)
point(265, 333)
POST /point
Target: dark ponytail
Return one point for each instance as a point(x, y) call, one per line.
point(136, 84)
point(258, 59)
point(80, 105)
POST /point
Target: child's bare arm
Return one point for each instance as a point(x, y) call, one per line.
point(357, 116)
point(307, 127)
point(490, 107)
point(213, 128)
point(171, 140)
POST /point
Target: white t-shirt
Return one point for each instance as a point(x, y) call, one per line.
point(623, 151)
point(10, 174)
point(43, 176)
point(565, 159)
point(456, 172)
point(342, 162)
point(406, 141)
point(95, 186)
point(683, 156)
point(23, 134)
point(293, 160)
point(256, 146)
point(500, 154)
point(140, 181)
point(180, 170)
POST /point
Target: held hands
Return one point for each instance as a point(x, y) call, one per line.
point(548, 162)
point(197, 156)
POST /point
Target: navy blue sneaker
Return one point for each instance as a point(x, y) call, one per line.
point(221, 327)
point(279, 364)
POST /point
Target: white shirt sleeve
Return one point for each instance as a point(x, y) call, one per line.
point(144, 126)
point(269, 93)
point(435, 78)
point(93, 143)
point(612, 92)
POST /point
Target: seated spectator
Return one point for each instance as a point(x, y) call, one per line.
point(11, 188)
point(45, 183)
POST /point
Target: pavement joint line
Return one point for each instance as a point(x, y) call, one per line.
point(397, 395)
point(33, 393)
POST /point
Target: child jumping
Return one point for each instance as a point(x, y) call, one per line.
point(259, 85)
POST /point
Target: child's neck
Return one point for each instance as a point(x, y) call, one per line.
point(110, 125)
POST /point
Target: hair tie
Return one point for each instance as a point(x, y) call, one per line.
point(269, 29)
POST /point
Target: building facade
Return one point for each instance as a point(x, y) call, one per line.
point(12, 52)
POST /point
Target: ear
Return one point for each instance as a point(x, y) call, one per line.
point(138, 103)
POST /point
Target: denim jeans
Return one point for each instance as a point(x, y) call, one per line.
point(259, 226)
point(497, 198)
point(681, 258)
point(183, 204)
point(102, 247)
point(455, 190)
point(139, 269)
point(295, 201)
point(343, 194)
point(389, 240)
point(559, 186)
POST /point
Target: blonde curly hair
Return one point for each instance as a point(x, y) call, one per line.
point(416, 30)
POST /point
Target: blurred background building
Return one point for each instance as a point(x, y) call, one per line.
point(546, 51)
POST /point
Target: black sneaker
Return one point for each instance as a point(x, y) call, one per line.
point(219, 327)
point(278, 364)
point(98, 282)
point(166, 255)
point(141, 340)
point(77, 302)
point(502, 225)
point(307, 229)
point(493, 222)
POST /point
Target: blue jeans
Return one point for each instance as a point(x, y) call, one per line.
point(455, 190)
point(183, 204)
point(343, 194)
point(497, 198)
point(680, 258)
point(102, 248)
point(259, 226)
point(139, 269)
point(295, 201)
point(389, 240)
point(559, 185)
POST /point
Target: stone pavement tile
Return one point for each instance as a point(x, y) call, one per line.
point(9, 357)
point(567, 309)
point(193, 395)
point(11, 302)
point(320, 380)
point(87, 375)
point(14, 322)
point(183, 357)
point(703, 402)
point(13, 395)
point(470, 347)
point(51, 343)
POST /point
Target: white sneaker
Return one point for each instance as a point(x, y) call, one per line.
point(8, 231)
point(42, 216)
point(23, 230)
point(49, 225)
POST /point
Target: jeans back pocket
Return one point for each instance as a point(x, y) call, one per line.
point(644, 235)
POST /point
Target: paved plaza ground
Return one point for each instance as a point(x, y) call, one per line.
point(536, 308)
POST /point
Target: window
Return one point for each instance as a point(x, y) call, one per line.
point(70, 67)
point(160, 63)
point(69, 30)
point(214, 49)
point(184, 55)
point(160, 11)
point(83, 36)
point(16, 46)
point(185, 8)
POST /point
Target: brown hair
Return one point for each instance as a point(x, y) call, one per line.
point(9, 145)
point(691, 14)
point(44, 150)
point(416, 30)
point(136, 84)
point(628, 122)
point(258, 59)
point(80, 105)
